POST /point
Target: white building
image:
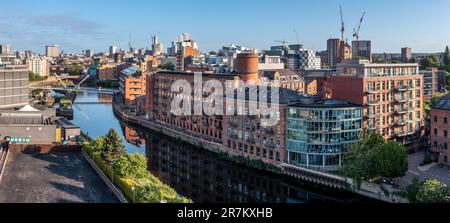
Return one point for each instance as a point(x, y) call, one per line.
point(5, 49)
point(268, 62)
point(38, 65)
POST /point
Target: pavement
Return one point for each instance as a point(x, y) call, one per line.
point(53, 178)
point(431, 171)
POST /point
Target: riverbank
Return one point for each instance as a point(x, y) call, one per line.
point(380, 192)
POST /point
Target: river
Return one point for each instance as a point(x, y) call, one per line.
point(196, 173)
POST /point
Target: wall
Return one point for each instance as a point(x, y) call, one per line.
point(37, 133)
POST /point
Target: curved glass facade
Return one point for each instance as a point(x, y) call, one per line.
point(317, 137)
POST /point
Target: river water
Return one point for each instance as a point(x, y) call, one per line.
point(196, 173)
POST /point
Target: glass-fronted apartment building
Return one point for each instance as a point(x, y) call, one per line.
point(319, 131)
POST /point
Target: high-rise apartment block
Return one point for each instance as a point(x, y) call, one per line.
point(338, 51)
point(362, 49)
point(52, 51)
point(38, 66)
point(434, 81)
point(406, 54)
point(390, 94)
point(112, 51)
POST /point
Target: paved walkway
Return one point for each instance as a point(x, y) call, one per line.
point(54, 178)
point(438, 172)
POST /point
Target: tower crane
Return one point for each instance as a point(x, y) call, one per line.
point(356, 31)
point(342, 23)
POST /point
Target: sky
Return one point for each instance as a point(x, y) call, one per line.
point(97, 24)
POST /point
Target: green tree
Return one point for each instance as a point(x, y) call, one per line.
point(98, 144)
point(433, 191)
point(150, 193)
point(359, 162)
point(429, 61)
point(447, 57)
point(132, 165)
point(372, 157)
point(391, 160)
point(167, 66)
point(113, 147)
point(413, 189)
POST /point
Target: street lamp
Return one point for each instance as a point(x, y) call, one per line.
point(134, 194)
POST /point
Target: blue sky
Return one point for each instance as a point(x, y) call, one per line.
point(96, 24)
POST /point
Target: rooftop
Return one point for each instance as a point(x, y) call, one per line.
point(443, 103)
point(307, 101)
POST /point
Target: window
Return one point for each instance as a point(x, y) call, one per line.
point(435, 132)
point(445, 159)
point(435, 118)
point(445, 120)
point(445, 133)
point(435, 144)
point(445, 146)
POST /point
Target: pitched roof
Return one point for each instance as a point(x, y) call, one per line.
point(443, 103)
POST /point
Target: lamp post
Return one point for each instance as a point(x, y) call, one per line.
point(134, 194)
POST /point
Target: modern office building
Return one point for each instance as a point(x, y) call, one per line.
point(434, 81)
point(440, 128)
point(52, 51)
point(38, 66)
point(5, 49)
point(14, 89)
point(319, 131)
point(362, 49)
point(406, 54)
point(390, 94)
point(303, 59)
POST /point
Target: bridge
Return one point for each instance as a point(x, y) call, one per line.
point(80, 89)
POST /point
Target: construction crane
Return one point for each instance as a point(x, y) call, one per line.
point(356, 31)
point(342, 23)
point(131, 43)
point(296, 35)
point(284, 42)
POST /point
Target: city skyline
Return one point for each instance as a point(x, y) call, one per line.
point(76, 27)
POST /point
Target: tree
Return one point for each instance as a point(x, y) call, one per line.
point(132, 165)
point(413, 189)
point(447, 57)
point(372, 157)
point(429, 61)
point(433, 191)
point(359, 163)
point(113, 147)
point(150, 193)
point(391, 160)
point(167, 66)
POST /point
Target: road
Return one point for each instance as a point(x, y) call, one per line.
point(441, 173)
point(54, 178)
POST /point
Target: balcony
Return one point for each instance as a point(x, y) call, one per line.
point(401, 111)
point(269, 131)
point(402, 88)
point(401, 100)
point(372, 115)
point(401, 122)
point(372, 91)
point(373, 102)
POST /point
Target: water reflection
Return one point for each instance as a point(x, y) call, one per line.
point(197, 173)
point(205, 178)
